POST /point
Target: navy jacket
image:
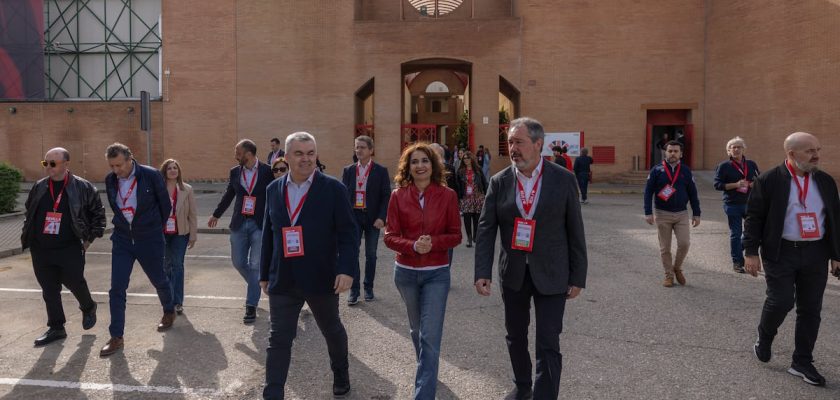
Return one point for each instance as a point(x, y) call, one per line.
point(686, 190)
point(235, 190)
point(583, 165)
point(153, 204)
point(329, 239)
point(727, 173)
point(378, 189)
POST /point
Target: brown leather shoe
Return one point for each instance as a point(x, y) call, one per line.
point(114, 344)
point(680, 277)
point(669, 280)
point(166, 321)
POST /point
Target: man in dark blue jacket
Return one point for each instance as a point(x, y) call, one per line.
point(672, 187)
point(246, 184)
point(138, 197)
point(369, 188)
point(310, 254)
point(735, 177)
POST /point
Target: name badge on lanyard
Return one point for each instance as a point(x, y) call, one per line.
point(669, 189)
point(249, 203)
point(744, 171)
point(360, 199)
point(52, 223)
point(809, 227)
point(293, 235)
point(361, 195)
point(171, 227)
point(524, 229)
point(127, 212)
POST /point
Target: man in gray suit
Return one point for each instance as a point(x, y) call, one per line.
point(534, 204)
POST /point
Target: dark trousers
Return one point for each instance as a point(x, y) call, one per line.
point(583, 184)
point(371, 235)
point(798, 277)
point(471, 225)
point(736, 213)
point(56, 267)
point(549, 315)
point(149, 252)
point(285, 310)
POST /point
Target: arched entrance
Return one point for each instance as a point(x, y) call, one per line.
point(436, 103)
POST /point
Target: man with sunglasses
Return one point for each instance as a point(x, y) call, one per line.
point(63, 216)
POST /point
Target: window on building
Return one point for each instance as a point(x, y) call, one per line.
point(435, 8)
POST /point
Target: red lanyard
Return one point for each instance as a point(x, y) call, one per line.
point(57, 201)
point(744, 170)
point(293, 215)
point(174, 200)
point(803, 192)
point(253, 178)
point(367, 173)
point(470, 177)
point(127, 194)
point(526, 206)
point(676, 175)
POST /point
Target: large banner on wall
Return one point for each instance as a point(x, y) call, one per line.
point(21, 49)
point(572, 141)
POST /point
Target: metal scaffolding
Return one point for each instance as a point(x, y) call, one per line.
point(102, 49)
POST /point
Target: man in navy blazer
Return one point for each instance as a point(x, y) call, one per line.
point(137, 195)
point(246, 184)
point(310, 254)
point(369, 188)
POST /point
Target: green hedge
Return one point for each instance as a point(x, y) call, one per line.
point(10, 178)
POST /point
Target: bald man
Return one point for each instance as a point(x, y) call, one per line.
point(793, 218)
point(63, 216)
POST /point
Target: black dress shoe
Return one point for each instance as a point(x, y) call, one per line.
point(520, 393)
point(51, 335)
point(89, 318)
point(341, 384)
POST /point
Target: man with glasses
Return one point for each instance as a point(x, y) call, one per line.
point(138, 196)
point(246, 184)
point(369, 188)
point(63, 216)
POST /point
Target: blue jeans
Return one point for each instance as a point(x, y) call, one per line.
point(424, 294)
point(173, 265)
point(124, 251)
point(371, 234)
point(583, 183)
point(736, 214)
point(245, 247)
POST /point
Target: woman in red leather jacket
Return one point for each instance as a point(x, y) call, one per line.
point(423, 224)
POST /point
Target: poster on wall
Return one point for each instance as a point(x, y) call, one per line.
point(572, 141)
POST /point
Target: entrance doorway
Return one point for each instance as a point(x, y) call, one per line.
point(664, 126)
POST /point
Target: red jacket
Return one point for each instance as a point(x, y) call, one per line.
point(407, 222)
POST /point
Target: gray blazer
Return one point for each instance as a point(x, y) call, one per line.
point(558, 259)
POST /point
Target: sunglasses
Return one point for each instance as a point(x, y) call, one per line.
point(45, 163)
point(276, 170)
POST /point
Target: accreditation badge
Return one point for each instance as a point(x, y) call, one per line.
point(469, 190)
point(523, 234)
point(744, 189)
point(52, 223)
point(808, 226)
point(171, 227)
point(128, 213)
point(360, 199)
point(666, 192)
point(249, 205)
point(292, 241)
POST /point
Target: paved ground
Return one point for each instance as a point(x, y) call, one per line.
point(625, 338)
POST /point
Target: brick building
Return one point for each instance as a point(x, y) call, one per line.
point(624, 72)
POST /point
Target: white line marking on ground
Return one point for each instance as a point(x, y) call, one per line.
point(109, 387)
point(102, 253)
point(189, 296)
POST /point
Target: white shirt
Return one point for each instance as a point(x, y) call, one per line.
point(296, 193)
point(362, 170)
point(250, 176)
point(528, 184)
point(814, 204)
point(123, 185)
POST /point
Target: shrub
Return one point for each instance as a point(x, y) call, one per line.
point(10, 178)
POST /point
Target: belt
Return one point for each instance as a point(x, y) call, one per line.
point(364, 210)
point(801, 243)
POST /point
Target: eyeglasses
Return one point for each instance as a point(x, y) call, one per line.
point(50, 163)
point(276, 170)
